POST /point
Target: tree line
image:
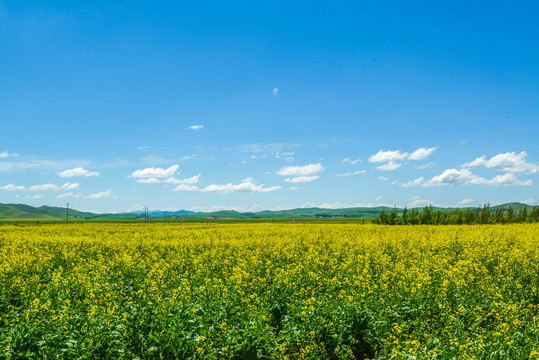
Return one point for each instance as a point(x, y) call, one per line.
point(482, 215)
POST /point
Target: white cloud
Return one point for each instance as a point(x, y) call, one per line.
point(379, 197)
point(335, 205)
point(387, 156)
point(149, 180)
point(244, 186)
point(418, 202)
point(530, 201)
point(508, 179)
point(358, 172)
point(53, 187)
point(338, 205)
point(391, 157)
point(29, 162)
point(186, 187)
point(465, 177)
point(5, 154)
point(466, 201)
point(68, 194)
point(100, 195)
point(255, 148)
point(34, 162)
point(12, 187)
point(137, 207)
point(382, 178)
point(351, 161)
point(143, 147)
point(422, 153)
point(78, 171)
point(301, 179)
point(188, 157)
point(36, 196)
point(288, 155)
point(170, 180)
point(510, 162)
point(427, 166)
point(275, 91)
point(449, 177)
point(413, 183)
point(44, 187)
point(214, 208)
point(390, 166)
point(195, 127)
point(152, 172)
point(69, 186)
point(305, 170)
point(192, 180)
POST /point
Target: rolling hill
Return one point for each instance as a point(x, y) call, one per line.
point(22, 212)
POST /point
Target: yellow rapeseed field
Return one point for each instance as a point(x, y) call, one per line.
point(264, 290)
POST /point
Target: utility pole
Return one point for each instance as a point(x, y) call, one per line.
point(67, 213)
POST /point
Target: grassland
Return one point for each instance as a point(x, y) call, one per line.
point(277, 291)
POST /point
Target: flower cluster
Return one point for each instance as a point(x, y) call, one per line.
point(269, 290)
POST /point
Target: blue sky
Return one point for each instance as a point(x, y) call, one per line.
point(251, 105)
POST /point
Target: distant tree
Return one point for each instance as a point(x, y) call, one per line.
point(535, 214)
point(468, 216)
point(405, 216)
point(456, 217)
point(498, 216)
point(413, 218)
point(437, 217)
point(477, 216)
point(522, 214)
point(383, 217)
point(431, 216)
point(426, 215)
point(392, 220)
point(509, 214)
point(485, 214)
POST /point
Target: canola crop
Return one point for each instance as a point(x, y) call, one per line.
point(264, 290)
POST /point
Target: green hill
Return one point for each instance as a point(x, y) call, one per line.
point(21, 212)
point(50, 213)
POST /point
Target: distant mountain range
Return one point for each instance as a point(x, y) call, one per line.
point(163, 213)
point(21, 212)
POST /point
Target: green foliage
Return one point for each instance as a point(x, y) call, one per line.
point(482, 215)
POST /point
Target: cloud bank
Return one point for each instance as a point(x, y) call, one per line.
point(155, 172)
point(78, 171)
point(466, 177)
point(392, 158)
